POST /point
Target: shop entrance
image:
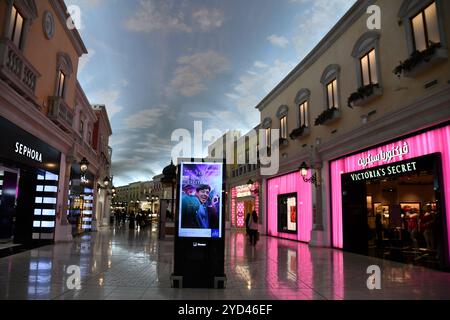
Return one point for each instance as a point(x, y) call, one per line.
point(8, 201)
point(394, 212)
point(244, 206)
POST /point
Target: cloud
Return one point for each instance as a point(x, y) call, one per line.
point(157, 15)
point(202, 115)
point(85, 59)
point(278, 41)
point(316, 21)
point(208, 19)
point(253, 87)
point(193, 72)
point(145, 119)
point(259, 64)
point(109, 98)
point(85, 4)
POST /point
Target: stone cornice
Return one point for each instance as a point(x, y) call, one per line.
point(25, 115)
point(61, 11)
point(423, 113)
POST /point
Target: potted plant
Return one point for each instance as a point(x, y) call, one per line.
point(299, 132)
point(419, 60)
point(326, 116)
point(364, 95)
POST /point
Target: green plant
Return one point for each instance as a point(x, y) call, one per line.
point(324, 116)
point(361, 93)
point(297, 132)
point(416, 58)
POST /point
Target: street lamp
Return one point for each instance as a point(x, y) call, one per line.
point(106, 181)
point(84, 164)
point(304, 173)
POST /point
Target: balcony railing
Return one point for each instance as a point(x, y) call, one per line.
point(60, 113)
point(16, 69)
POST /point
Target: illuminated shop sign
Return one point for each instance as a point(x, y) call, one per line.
point(385, 155)
point(243, 191)
point(28, 152)
point(385, 171)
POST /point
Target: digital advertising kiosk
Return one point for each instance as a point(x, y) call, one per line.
point(200, 225)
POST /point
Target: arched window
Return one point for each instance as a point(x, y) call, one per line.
point(424, 24)
point(330, 82)
point(367, 59)
point(302, 101)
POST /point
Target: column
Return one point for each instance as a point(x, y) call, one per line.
point(318, 233)
point(94, 224)
point(63, 229)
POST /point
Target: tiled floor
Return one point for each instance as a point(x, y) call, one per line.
point(119, 264)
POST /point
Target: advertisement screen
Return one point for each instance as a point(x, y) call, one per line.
point(200, 213)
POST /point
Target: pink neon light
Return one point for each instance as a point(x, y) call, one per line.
point(238, 208)
point(233, 207)
point(297, 271)
point(240, 215)
point(433, 141)
point(291, 183)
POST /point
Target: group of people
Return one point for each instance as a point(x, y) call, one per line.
point(139, 219)
point(251, 224)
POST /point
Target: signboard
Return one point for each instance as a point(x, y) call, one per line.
point(20, 147)
point(200, 207)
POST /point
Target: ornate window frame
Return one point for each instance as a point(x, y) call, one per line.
point(367, 42)
point(330, 73)
point(303, 95)
point(28, 10)
point(64, 65)
point(409, 9)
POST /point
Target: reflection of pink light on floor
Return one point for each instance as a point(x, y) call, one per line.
point(240, 245)
point(338, 274)
point(290, 183)
point(434, 141)
point(301, 268)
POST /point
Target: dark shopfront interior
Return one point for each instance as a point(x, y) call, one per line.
point(27, 205)
point(29, 178)
point(396, 214)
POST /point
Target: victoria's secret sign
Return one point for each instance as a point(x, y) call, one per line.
point(385, 171)
point(385, 155)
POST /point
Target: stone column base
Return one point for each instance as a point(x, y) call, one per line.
point(105, 222)
point(317, 239)
point(63, 233)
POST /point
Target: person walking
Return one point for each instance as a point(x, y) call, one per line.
point(253, 228)
point(247, 224)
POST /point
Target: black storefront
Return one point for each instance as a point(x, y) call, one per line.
point(81, 200)
point(29, 177)
point(394, 212)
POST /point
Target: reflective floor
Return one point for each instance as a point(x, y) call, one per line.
point(119, 264)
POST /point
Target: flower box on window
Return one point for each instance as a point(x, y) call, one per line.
point(421, 60)
point(283, 142)
point(364, 95)
point(328, 116)
point(300, 133)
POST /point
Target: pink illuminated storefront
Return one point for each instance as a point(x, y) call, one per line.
point(289, 207)
point(393, 201)
point(244, 199)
